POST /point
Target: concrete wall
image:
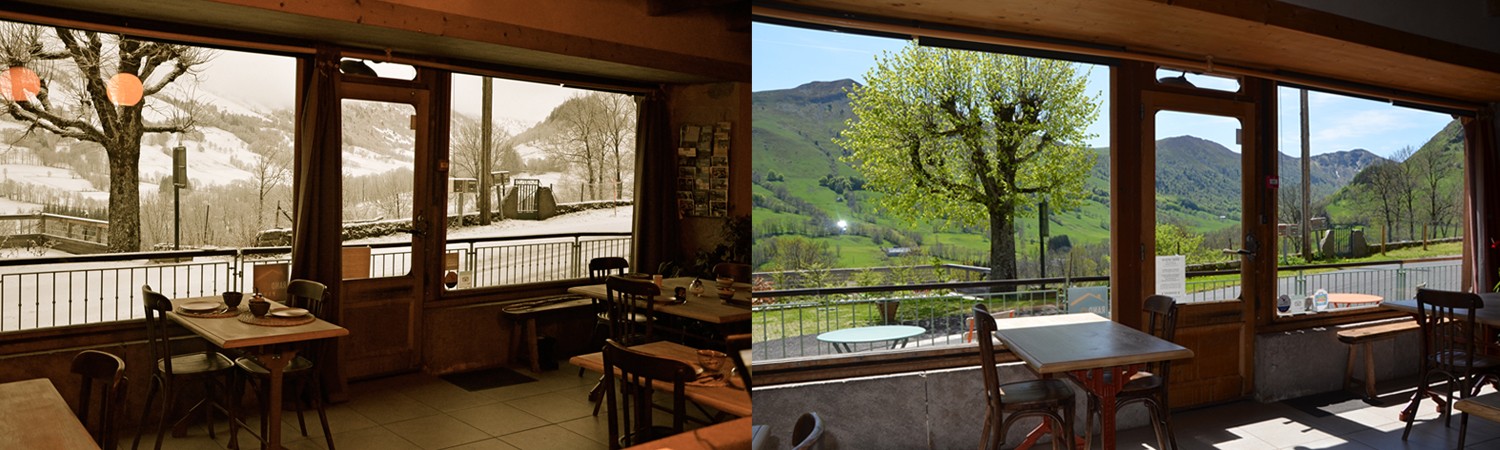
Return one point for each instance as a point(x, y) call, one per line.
point(1304, 362)
point(942, 409)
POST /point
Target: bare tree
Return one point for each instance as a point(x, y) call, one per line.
point(272, 169)
point(1431, 172)
point(619, 134)
point(467, 149)
point(1386, 185)
point(574, 138)
point(1406, 184)
point(75, 67)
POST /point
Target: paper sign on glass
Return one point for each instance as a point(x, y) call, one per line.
point(1171, 276)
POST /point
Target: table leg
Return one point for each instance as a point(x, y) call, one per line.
point(275, 362)
point(1093, 380)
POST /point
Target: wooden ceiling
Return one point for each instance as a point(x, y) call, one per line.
point(377, 25)
point(1261, 35)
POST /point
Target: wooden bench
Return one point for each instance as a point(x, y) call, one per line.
point(524, 314)
point(1361, 337)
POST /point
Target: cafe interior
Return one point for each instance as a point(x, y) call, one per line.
point(363, 369)
point(1242, 375)
point(367, 370)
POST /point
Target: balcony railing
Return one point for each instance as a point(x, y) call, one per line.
point(73, 290)
point(787, 322)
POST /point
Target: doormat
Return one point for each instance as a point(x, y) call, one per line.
point(486, 379)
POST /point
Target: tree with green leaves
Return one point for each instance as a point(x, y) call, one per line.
point(958, 138)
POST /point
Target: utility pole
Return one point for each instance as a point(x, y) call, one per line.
point(485, 142)
point(1042, 237)
point(179, 180)
point(1306, 185)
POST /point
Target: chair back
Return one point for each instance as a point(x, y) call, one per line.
point(158, 337)
point(629, 307)
point(1449, 333)
point(734, 343)
point(808, 433)
point(306, 294)
point(984, 334)
point(606, 266)
point(630, 411)
point(1161, 321)
point(739, 272)
point(108, 372)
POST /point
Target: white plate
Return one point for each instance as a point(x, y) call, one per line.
point(289, 312)
point(200, 306)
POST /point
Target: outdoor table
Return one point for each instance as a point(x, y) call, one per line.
point(732, 434)
point(1345, 300)
point(727, 398)
point(265, 344)
point(1086, 347)
point(34, 415)
point(895, 334)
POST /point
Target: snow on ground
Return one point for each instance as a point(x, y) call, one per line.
point(8, 206)
point(52, 177)
point(210, 161)
point(595, 220)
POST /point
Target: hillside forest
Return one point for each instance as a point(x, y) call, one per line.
point(813, 211)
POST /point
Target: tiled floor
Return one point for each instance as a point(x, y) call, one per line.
point(419, 411)
point(1304, 424)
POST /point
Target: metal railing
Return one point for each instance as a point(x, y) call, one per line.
point(786, 322)
point(73, 290)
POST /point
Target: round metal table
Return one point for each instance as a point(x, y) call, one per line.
point(897, 335)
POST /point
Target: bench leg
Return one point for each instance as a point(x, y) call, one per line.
point(536, 360)
point(1369, 371)
point(1349, 381)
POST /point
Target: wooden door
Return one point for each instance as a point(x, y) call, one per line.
point(382, 285)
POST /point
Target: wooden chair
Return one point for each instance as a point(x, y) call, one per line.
point(808, 433)
point(739, 272)
point(1452, 351)
point(733, 344)
point(628, 323)
point(630, 412)
point(1148, 386)
point(1049, 398)
point(109, 371)
point(301, 376)
point(172, 370)
point(599, 269)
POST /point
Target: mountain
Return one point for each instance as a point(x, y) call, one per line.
point(792, 136)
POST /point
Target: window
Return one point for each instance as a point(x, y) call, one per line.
point(558, 188)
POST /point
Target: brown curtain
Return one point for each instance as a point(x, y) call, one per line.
point(1482, 206)
point(316, 185)
point(655, 201)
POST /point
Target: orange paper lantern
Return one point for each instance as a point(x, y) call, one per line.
point(125, 89)
point(19, 83)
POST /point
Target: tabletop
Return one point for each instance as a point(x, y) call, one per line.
point(1081, 341)
point(878, 333)
point(704, 308)
point(729, 399)
point(1350, 299)
point(732, 434)
point(1488, 315)
point(232, 333)
point(36, 416)
point(1486, 406)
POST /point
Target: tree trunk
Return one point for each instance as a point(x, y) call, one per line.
point(1002, 246)
point(125, 195)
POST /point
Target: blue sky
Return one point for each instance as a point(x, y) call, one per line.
point(786, 57)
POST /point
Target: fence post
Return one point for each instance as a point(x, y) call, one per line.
point(1401, 279)
point(577, 256)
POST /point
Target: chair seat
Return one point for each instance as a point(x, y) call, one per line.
point(1035, 392)
point(192, 363)
point(251, 365)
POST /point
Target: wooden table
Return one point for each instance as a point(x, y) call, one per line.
point(1488, 315)
point(732, 434)
point(895, 334)
point(729, 399)
point(34, 415)
point(1485, 406)
point(1086, 347)
point(265, 342)
point(703, 308)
